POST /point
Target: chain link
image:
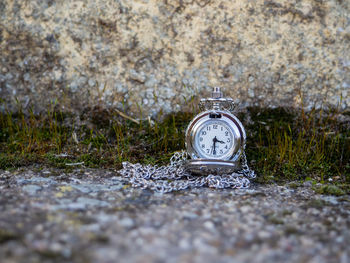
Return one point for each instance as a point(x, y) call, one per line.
point(174, 177)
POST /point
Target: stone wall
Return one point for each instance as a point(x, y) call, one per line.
point(155, 54)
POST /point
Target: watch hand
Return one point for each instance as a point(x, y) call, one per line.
point(220, 141)
point(214, 142)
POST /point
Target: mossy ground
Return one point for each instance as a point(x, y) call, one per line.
point(283, 145)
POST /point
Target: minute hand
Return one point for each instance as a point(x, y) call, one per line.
point(214, 142)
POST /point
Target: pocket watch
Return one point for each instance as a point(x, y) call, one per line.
point(215, 138)
point(215, 143)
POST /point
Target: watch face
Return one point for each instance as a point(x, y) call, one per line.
point(214, 139)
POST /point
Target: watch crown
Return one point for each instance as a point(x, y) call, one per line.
point(216, 93)
point(217, 102)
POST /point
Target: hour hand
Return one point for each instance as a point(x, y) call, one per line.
point(220, 141)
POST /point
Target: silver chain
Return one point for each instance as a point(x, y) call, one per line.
point(174, 177)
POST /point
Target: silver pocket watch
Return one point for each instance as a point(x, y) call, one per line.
point(215, 138)
point(214, 156)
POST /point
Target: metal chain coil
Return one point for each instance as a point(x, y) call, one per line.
point(174, 177)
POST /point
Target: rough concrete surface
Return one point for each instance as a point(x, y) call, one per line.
point(92, 215)
point(153, 55)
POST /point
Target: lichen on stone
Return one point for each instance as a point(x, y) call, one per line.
point(111, 53)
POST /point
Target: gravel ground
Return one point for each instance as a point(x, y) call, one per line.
point(92, 215)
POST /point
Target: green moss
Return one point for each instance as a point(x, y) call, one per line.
point(294, 185)
point(315, 203)
point(283, 145)
point(6, 235)
point(329, 190)
point(13, 160)
point(291, 230)
point(275, 220)
point(344, 199)
point(49, 254)
point(56, 161)
point(287, 212)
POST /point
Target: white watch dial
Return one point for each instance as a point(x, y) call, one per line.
point(214, 139)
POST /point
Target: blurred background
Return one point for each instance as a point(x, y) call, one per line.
point(152, 55)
